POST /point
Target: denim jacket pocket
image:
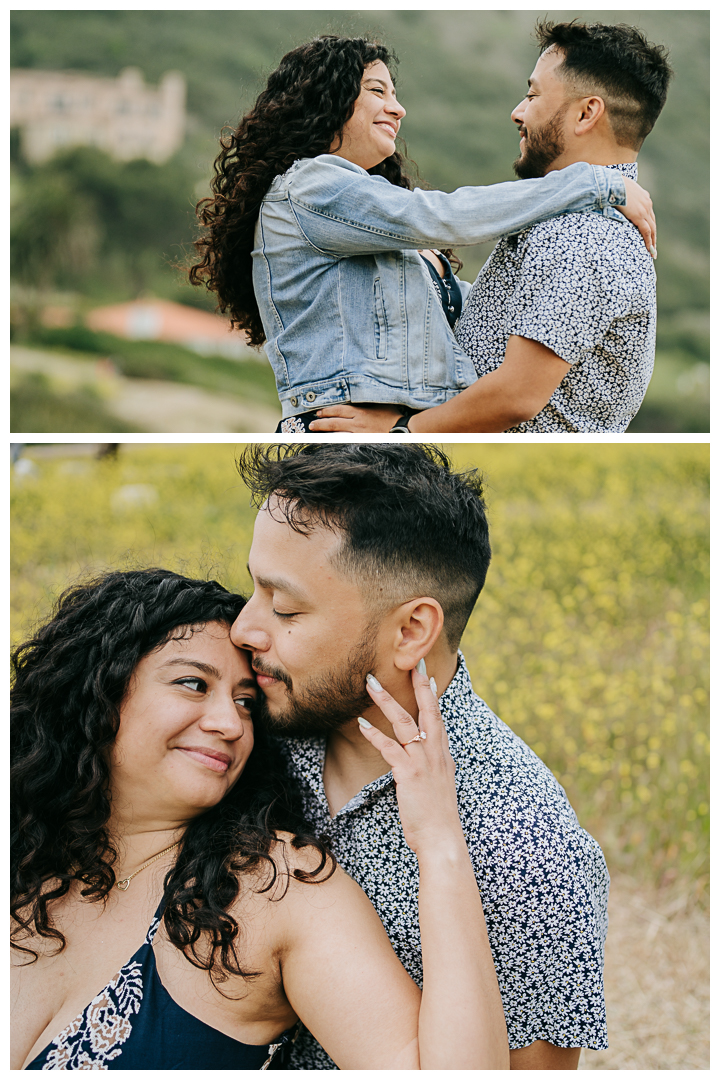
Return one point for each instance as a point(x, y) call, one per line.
point(381, 330)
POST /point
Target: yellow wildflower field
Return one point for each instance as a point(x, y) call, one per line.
point(590, 638)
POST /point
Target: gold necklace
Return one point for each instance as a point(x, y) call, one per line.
point(124, 884)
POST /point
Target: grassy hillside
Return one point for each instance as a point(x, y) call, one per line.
point(590, 638)
point(461, 73)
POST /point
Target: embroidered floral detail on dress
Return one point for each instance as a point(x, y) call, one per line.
point(287, 1037)
point(97, 1034)
point(273, 1048)
point(292, 424)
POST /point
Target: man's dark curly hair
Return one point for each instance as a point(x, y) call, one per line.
point(69, 683)
point(410, 523)
point(308, 100)
point(630, 73)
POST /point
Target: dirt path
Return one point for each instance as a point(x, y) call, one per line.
point(657, 971)
point(164, 406)
point(151, 404)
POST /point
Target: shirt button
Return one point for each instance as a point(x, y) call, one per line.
point(451, 308)
point(612, 199)
point(293, 402)
point(310, 396)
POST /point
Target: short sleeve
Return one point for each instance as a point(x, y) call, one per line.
point(577, 276)
point(545, 904)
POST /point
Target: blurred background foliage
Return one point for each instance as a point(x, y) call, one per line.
point(590, 638)
point(110, 230)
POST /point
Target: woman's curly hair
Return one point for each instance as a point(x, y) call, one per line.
point(308, 100)
point(69, 683)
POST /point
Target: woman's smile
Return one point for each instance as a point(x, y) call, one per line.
point(186, 726)
point(211, 759)
point(369, 135)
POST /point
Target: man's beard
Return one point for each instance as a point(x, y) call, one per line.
point(327, 701)
point(542, 148)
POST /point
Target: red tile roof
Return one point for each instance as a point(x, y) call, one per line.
point(163, 320)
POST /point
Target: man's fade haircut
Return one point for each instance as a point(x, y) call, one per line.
point(412, 526)
point(630, 72)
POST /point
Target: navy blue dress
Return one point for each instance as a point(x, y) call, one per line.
point(447, 288)
point(134, 1024)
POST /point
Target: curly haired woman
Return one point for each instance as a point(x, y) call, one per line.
point(144, 796)
point(319, 247)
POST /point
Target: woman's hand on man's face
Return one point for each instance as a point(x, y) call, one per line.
point(422, 766)
point(357, 418)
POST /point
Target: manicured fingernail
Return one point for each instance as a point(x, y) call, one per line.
point(373, 683)
point(653, 251)
point(420, 666)
point(433, 686)
point(363, 722)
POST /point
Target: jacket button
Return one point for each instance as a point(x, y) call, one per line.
point(310, 396)
point(293, 402)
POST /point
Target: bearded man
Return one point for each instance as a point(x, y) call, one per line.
point(366, 560)
point(574, 297)
point(560, 322)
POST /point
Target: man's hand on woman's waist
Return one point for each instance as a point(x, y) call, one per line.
point(514, 392)
point(357, 418)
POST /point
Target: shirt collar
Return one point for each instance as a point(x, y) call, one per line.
point(627, 168)
point(307, 760)
point(459, 689)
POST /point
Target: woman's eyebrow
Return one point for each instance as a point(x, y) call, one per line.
point(207, 669)
point(376, 78)
point(246, 684)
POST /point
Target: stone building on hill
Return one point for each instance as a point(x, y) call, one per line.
point(54, 110)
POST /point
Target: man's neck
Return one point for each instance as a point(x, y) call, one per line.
point(600, 153)
point(351, 762)
point(349, 766)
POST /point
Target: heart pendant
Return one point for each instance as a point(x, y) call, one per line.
point(123, 885)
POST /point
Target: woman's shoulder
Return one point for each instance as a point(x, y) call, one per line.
point(313, 901)
point(283, 897)
point(303, 862)
point(295, 873)
point(323, 163)
point(323, 169)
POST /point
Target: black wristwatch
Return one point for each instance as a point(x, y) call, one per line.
point(401, 426)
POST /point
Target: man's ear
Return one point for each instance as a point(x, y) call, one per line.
point(590, 111)
point(417, 626)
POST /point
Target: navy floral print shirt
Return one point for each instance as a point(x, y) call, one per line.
point(584, 286)
point(543, 880)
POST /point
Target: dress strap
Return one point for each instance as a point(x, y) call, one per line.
point(156, 920)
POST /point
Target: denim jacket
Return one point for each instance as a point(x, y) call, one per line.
point(347, 304)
